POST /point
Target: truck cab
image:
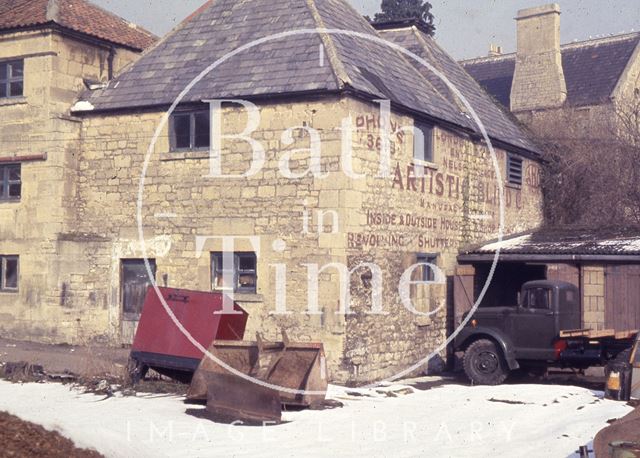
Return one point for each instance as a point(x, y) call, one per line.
point(499, 339)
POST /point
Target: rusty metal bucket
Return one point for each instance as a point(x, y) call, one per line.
point(294, 366)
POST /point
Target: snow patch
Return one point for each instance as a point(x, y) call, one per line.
point(450, 420)
point(82, 105)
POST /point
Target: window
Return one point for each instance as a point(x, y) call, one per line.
point(12, 79)
point(537, 298)
point(133, 286)
point(514, 169)
point(243, 273)
point(427, 273)
point(10, 182)
point(423, 142)
point(9, 273)
point(190, 131)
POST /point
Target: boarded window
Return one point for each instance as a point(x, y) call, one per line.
point(134, 285)
point(423, 142)
point(10, 182)
point(190, 131)
point(9, 271)
point(240, 277)
point(12, 79)
point(514, 169)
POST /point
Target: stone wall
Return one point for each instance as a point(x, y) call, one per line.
point(37, 226)
point(454, 205)
point(273, 207)
point(593, 295)
point(77, 220)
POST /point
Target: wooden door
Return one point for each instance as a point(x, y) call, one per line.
point(622, 297)
point(463, 297)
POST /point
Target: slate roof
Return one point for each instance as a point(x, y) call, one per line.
point(78, 15)
point(591, 69)
point(499, 123)
point(563, 242)
point(295, 64)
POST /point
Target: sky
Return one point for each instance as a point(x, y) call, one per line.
point(465, 28)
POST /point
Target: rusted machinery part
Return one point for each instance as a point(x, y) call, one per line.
point(294, 366)
point(626, 429)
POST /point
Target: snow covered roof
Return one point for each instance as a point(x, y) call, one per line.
point(553, 243)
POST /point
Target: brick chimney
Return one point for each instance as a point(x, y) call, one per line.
point(538, 81)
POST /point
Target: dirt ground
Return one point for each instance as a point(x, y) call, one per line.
point(86, 361)
point(21, 439)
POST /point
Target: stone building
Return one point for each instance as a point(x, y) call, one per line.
point(136, 162)
point(582, 81)
point(50, 51)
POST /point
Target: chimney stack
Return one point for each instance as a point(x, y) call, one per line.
point(495, 50)
point(538, 81)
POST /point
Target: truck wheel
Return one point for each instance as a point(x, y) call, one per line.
point(484, 364)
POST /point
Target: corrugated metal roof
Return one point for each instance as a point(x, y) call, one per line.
point(591, 69)
point(565, 242)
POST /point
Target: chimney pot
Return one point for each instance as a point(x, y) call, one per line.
point(495, 50)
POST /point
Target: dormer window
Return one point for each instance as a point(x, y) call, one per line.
point(190, 130)
point(12, 78)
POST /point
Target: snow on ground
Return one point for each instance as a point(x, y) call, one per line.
point(451, 420)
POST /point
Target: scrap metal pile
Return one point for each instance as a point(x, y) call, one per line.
point(238, 380)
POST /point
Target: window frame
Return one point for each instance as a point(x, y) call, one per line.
point(515, 177)
point(192, 130)
point(8, 79)
point(6, 182)
point(427, 275)
point(527, 303)
point(217, 258)
point(3, 273)
point(428, 131)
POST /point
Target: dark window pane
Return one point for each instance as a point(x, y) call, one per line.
point(4, 71)
point(539, 298)
point(247, 262)
point(17, 69)
point(11, 274)
point(14, 173)
point(3, 90)
point(202, 130)
point(182, 131)
point(16, 89)
point(14, 191)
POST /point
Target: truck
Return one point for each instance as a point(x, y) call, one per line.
point(543, 329)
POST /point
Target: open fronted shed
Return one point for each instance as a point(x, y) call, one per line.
point(605, 266)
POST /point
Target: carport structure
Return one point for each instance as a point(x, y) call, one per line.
point(604, 265)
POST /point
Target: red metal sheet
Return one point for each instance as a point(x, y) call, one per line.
point(196, 311)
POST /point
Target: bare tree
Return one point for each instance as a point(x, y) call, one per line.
point(592, 178)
